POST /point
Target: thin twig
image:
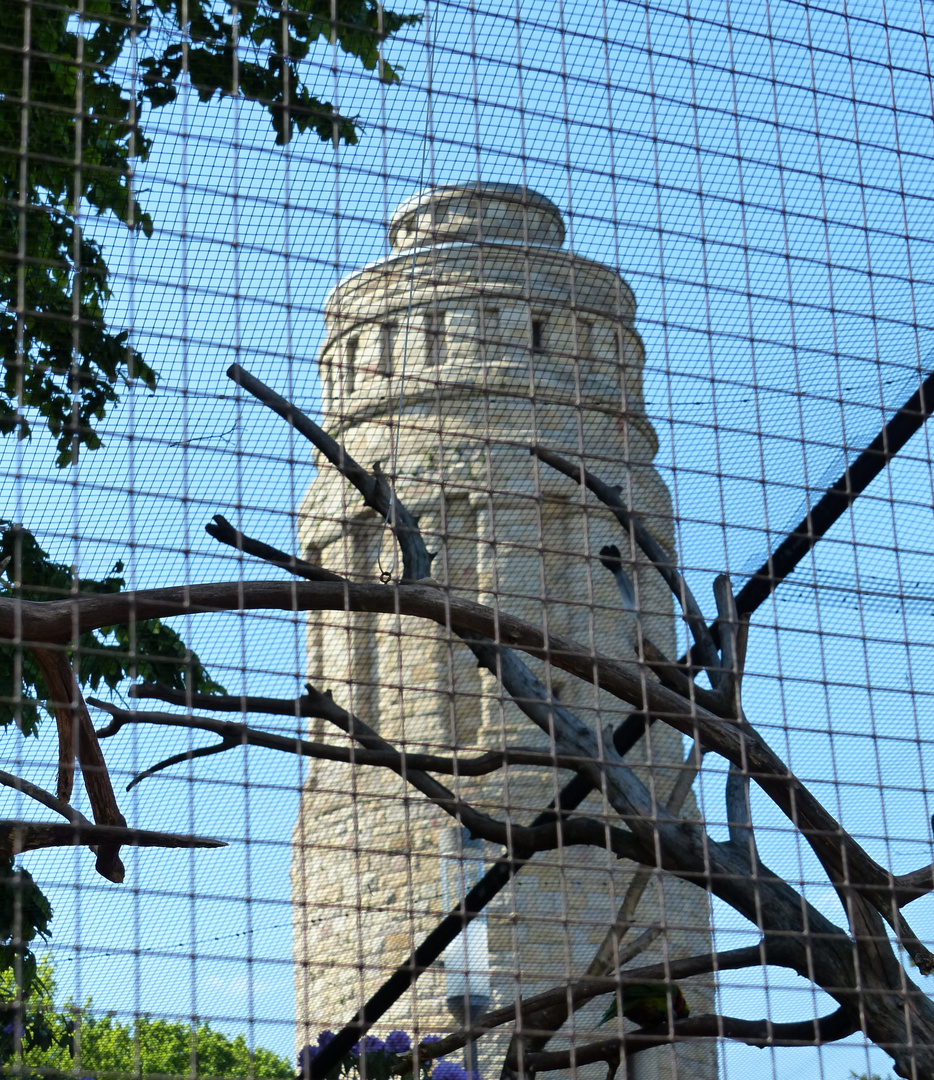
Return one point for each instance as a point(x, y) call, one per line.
point(177, 759)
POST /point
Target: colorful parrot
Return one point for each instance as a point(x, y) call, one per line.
point(646, 1004)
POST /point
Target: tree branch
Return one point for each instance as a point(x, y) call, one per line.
point(19, 836)
point(416, 561)
point(399, 761)
point(58, 620)
point(732, 650)
point(524, 840)
point(739, 814)
point(650, 547)
point(65, 720)
point(818, 1032)
point(293, 707)
point(177, 759)
point(577, 993)
point(222, 531)
point(46, 798)
point(77, 737)
point(610, 955)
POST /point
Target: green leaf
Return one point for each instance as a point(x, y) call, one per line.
point(53, 368)
point(148, 649)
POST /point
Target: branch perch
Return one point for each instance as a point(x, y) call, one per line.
point(78, 739)
point(650, 547)
point(234, 735)
point(416, 561)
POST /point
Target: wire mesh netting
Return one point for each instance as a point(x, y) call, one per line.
point(466, 539)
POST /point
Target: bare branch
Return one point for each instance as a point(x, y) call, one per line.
point(46, 798)
point(243, 735)
point(578, 993)
point(65, 720)
point(177, 759)
point(650, 547)
point(416, 561)
point(762, 1033)
point(294, 707)
point(58, 620)
point(739, 813)
point(77, 737)
point(610, 955)
point(221, 529)
point(20, 836)
point(731, 678)
point(916, 883)
point(524, 840)
point(399, 761)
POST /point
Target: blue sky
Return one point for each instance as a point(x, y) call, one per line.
point(759, 174)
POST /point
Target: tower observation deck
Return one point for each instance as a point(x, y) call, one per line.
point(479, 335)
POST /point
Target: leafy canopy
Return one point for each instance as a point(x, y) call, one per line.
point(101, 1046)
point(149, 649)
point(70, 131)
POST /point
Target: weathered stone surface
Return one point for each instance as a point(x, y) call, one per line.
point(479, 336)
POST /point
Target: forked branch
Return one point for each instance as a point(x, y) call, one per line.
point(401, 762)
point(77, 739)
point(376, 492)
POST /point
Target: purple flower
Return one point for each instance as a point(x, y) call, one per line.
point(397, 1042)
point(431, 1038)
point(369, 1044)
point(9, 1028)
point(448, 1070)
point(325, 1037)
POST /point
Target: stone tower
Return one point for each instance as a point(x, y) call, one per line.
point(476, 337)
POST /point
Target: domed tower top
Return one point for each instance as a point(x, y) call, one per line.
point(482, 328)
point(474, 213)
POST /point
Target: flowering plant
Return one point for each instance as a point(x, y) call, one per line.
point(380, 1059)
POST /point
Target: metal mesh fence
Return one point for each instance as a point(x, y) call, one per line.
point(466, 539)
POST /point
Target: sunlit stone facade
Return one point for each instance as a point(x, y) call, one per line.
point(478, 336)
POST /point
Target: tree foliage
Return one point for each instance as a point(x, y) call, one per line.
point(26, 1022)
point(101, 1045)
point(70, 135)
point(149, 649)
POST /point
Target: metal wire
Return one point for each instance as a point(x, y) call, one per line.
point(614, 685)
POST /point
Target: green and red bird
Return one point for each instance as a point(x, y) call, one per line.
point(646, 1004)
